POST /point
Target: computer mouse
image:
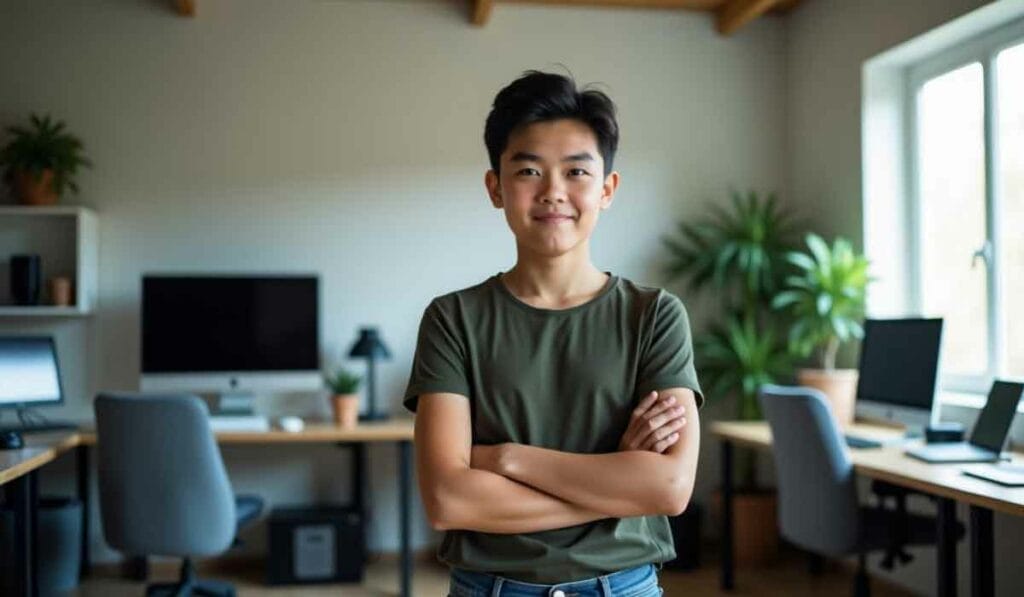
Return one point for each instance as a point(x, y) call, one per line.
point(291, 423)
point(11, 440)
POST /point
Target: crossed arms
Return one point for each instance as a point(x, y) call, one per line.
point(514, 488)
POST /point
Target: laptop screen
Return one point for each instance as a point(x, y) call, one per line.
point(995, 418)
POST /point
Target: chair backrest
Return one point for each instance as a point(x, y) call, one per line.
point(818, 507)
point(163, 487)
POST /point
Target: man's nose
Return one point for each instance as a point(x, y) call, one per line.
point(554, 190)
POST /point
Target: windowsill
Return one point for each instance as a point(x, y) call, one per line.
point(968, 400)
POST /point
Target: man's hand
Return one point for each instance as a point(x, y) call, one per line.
point(654, 424)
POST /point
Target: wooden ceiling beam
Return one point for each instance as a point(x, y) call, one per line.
point(784, 6)
point(737, 13)
point(688, 4)
point(185, 8)
point(480, 11)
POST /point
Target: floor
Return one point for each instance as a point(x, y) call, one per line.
point(789, 577)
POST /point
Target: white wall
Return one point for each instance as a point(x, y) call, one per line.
point(345, 137)
point(827, 42)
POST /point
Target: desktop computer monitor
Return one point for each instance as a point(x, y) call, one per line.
point(230, 334)
point(29, 375)
point(899, 369)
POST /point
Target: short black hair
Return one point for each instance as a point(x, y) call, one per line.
point(538, 97)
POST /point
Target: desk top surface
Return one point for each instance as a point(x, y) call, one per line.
point(890, 464)
point(42, 448)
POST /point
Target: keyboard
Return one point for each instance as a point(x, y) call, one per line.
point(861, 442)
point(41, 427)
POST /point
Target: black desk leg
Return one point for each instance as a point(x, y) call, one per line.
point(982, 557)
point(23, 497)
point(405, 507)
point(33, 529)
point(946, 545)
point(82, 470)
point(359, 485)
point(726, 540)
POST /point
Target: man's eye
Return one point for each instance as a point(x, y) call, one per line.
point(528, 171)
point(578, 172)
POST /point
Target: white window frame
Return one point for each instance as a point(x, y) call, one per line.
point(982, 49)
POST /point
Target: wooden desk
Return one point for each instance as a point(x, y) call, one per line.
point(19, 467)
point(945, 481)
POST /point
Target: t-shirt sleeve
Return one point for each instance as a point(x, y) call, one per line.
point(439, 362)
point(667, 357)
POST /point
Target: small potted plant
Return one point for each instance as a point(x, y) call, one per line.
point(344, 397)
point(827, 300)
point(41, 160)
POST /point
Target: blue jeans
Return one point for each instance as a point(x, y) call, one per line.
point(641, 581)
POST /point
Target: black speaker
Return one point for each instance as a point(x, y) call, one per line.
point(315, 544)
point(26, 276)
point(946, 431)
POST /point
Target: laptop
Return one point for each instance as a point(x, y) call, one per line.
point(989, 432)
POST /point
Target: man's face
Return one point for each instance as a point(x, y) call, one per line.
point(552, 186)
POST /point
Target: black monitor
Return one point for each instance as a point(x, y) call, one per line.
point(29, 374)
point(221, 333)
point(899, 369)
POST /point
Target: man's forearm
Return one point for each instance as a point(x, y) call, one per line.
point(484, 501)
point(620, 484)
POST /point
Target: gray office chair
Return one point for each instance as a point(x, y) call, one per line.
point(818, 506)
point(163, 487)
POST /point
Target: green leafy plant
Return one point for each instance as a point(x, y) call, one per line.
point(342, 382)
point(44, 145)
point(736, 355)
point(741, 251)
point(741, 254)
point(827, 298)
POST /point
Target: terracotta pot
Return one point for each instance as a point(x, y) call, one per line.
point(32, 191)
point(60, 291)
point(838, 385)
point(755, 526)
point(346, 409)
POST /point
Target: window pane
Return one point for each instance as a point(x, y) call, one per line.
point(1010, 180)
point(951, 148)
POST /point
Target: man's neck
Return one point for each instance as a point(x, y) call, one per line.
point(555, 282)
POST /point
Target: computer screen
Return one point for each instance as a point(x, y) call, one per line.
point(29, 374)
point(202, 324)
point(899, 362)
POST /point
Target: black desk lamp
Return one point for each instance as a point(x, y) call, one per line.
point(370, 347)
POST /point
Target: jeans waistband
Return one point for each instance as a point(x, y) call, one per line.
point(615, 583)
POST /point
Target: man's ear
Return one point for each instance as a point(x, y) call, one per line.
point(611, 183)
point(493, 184)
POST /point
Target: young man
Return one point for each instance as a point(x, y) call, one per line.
point(556, 404)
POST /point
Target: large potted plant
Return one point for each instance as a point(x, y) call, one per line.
point(41, 161)
point(827, 301)
point(739, 254)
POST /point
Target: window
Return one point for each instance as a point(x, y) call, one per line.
point(965, 110)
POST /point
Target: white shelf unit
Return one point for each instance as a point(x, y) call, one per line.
point(66, 238)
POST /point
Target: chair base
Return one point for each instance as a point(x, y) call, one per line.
point(189, 585)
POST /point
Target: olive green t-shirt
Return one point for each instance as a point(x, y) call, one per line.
point(563, 379)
